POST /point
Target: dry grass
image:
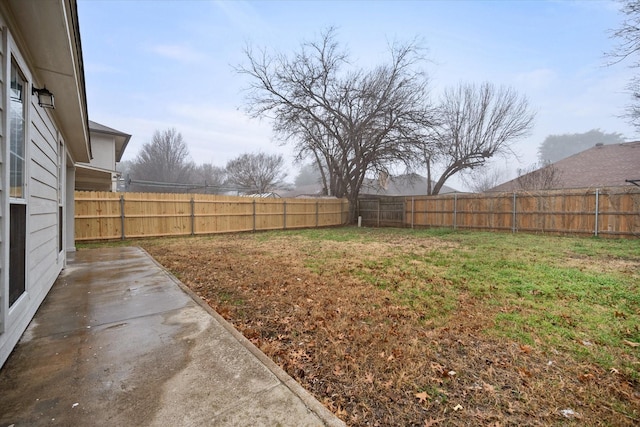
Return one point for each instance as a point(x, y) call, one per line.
point(379, 330)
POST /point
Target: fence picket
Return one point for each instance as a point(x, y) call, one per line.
point(109, 216)
point(556, 211)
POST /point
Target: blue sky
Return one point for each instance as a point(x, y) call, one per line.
point(151, 65)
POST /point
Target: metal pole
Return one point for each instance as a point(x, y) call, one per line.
point(284, 205)
point(597, 208)
point(122, 217)
point(413, 211)
point(513, 221)
point(455, 210)
point(254, 214)
point(193, 217)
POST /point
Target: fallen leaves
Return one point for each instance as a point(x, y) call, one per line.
point(375, 361)
point(368, 378)
point(432, 422)
point(422, 397)
point(525, 348)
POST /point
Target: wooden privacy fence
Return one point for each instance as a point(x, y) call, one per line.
point(601, 212)
point(109, 216)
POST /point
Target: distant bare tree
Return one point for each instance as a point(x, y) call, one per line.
point(484, 179)
point(475, 123)
point(308, 175)
point(539, 176)
point(557, 147)
point(163, 160)
point(628, 36)
point(257, 173)
point(211, 177)
point(349, 120)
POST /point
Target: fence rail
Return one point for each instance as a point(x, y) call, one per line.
point(606, 211)
point(111, 216)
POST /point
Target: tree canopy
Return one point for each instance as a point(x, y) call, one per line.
point(256, 172)
point(355, 122)
point(165, 159)
point(628, 36)
point(474, 123)
point(557, 147)
point(349, 120)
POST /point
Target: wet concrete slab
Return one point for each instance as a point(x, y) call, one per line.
point(119, 341)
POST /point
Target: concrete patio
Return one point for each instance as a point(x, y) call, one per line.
point(120, 342)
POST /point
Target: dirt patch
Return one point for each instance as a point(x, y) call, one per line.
point(585, 263)
point(372, 360)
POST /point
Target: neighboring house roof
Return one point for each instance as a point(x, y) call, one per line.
point(91, 178)
point(100, 173)
point(58, 64)
point(308, 190)
point(600, 166)
point(121, 138)
point(262, 195)
point(402, 185)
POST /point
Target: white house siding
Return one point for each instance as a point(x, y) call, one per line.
point(103, 150)
point(43, 260)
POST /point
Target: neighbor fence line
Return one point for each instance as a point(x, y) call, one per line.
point(111, 216)
point(598, 211)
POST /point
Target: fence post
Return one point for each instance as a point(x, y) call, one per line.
point(413, 210)
point(284, 220)
point(597, 208)
point(317, 214)
point(193, 217)
point(513, 220)
point(122, 235)
point(378, 213)
point(254, 214)
point(345, 212)
point(455, 211)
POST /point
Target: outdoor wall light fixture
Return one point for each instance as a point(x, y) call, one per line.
point(45, 98)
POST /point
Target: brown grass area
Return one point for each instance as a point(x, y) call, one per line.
point(373, 360)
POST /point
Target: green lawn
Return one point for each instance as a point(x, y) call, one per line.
point(577, 294)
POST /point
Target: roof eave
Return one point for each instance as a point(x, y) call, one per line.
point(49, 35)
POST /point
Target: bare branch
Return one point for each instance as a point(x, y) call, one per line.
point(475, 123)
point(351, 121)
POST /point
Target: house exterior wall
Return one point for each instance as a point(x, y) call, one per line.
point(3, 205)
point(103, 150)
point(44, 195)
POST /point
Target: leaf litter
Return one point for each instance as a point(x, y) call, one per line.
point(373, 360)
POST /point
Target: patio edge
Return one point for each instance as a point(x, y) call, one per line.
point(328, 418)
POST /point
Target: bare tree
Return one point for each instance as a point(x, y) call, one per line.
point(475, 123)
point(212, 178)
point(557, 147)
point(163, 160)
point(257, 173)
point(483, 179)
point(629, 46)
point(308, 175)
point(350, 121)
point(539, 176)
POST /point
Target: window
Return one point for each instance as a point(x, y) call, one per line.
point(17, 264)
point(17, 132)
point(17, 164)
